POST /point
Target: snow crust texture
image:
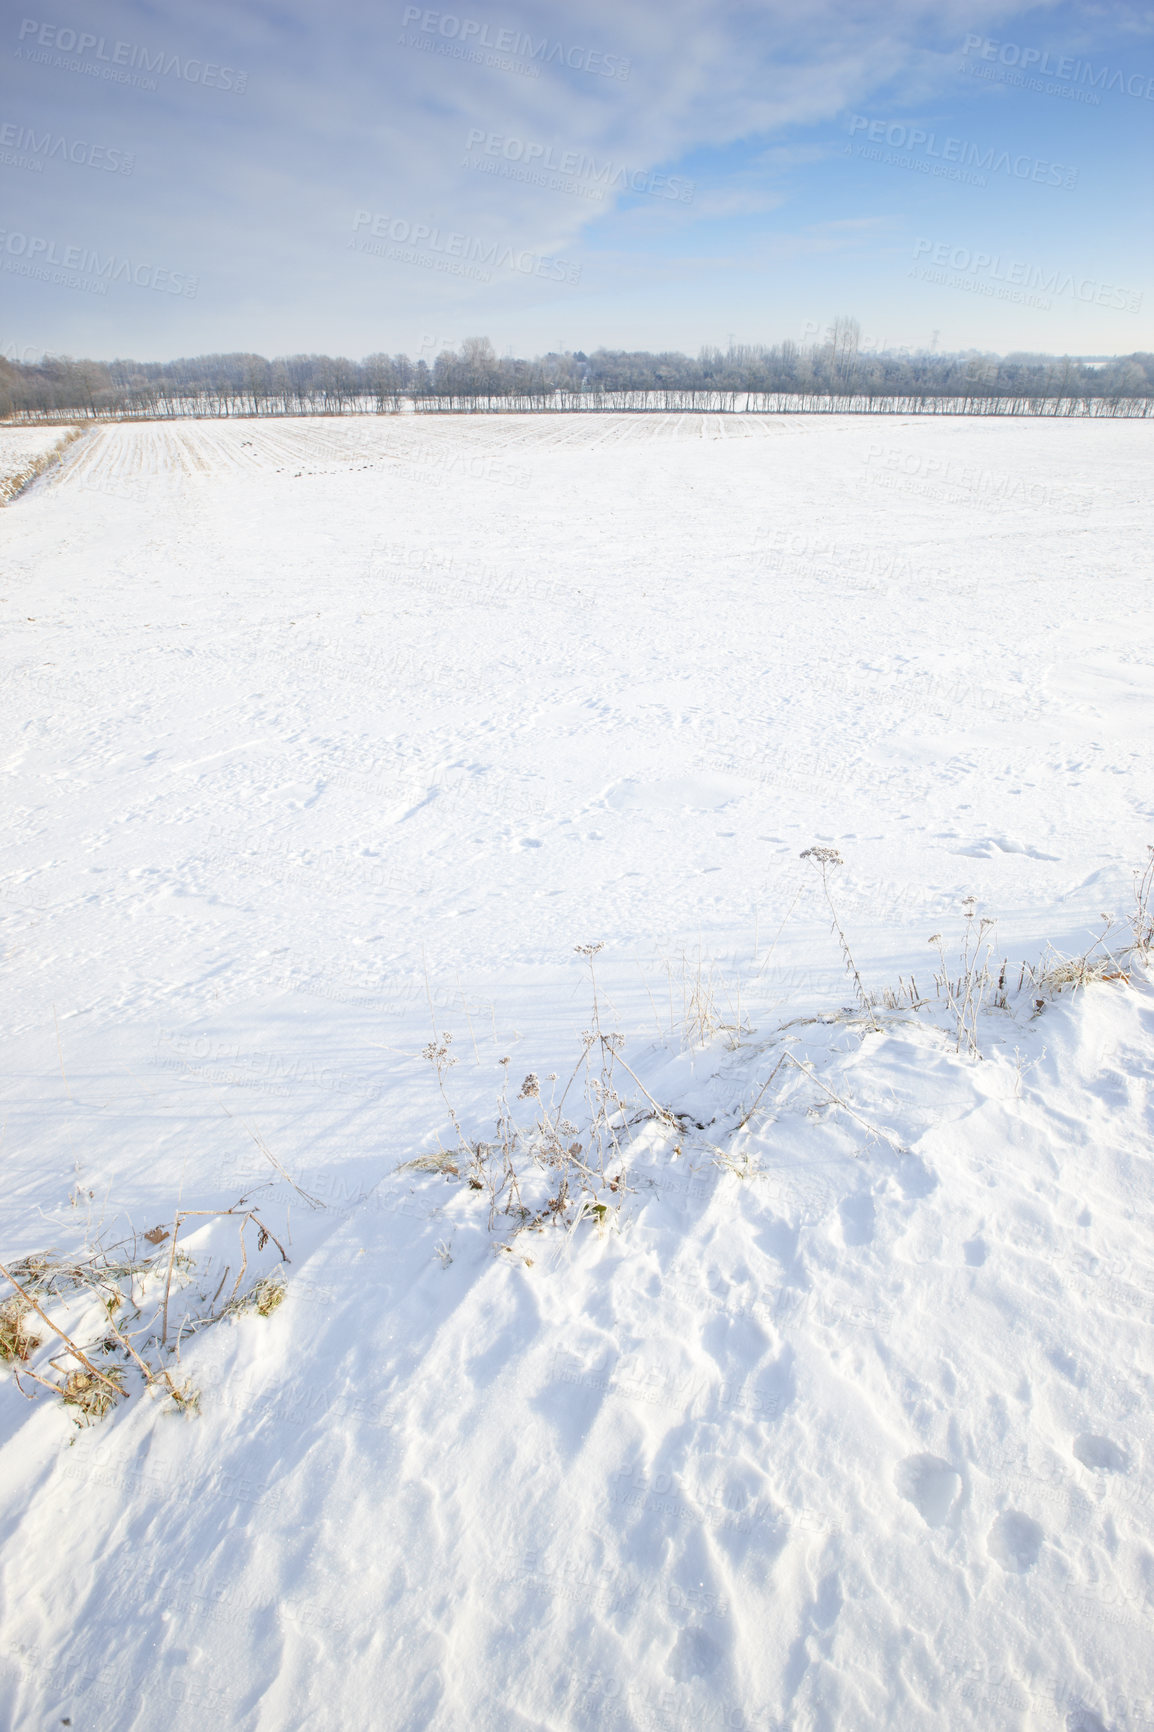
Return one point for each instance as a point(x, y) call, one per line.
point(321, 736)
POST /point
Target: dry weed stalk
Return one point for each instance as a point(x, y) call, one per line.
point(905, 994)
point(313, 1202)
point(823, 859)
point(805, 1066)
point(760, 1093)
point(71, 1390)
point(588, 1171)
point(109, 1275)
point(244, 1215)
point(1142, 918)
point(1055, 972)
point(701, 1018)
point(17, 1343)
point(549, 1172)
point(965, 992)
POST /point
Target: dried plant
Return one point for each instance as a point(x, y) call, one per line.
point(1056, 973)
point(109, 1380)
point(246, 1216)
point(965, 989)
point(17, 1343)
point(264, 1297)
point(823, 859)
point(905, 996)
point(1142, 917)
point(92, 1398)
point(110, 1287)
point(805, 1066)
point(569, 1162)
point(710, 1005)
point(15, 482)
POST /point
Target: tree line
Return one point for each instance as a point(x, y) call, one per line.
point(834, 374)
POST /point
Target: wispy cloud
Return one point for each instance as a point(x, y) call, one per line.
point(357, 109)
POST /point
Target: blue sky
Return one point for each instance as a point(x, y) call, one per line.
point(376, 176)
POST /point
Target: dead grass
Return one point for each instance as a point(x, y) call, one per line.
point(966, 985)
point(14, 483)
point(1142, 915)
point(557, 1154)
point(711, 1004)
point(92, 1398)
point(559, 1151)
point(17, 1343)
point(121, 1301)
point(264, 1297)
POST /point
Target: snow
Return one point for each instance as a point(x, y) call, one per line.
point(313, 727)
point(24, 451)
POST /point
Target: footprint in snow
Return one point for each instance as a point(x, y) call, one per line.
point(1063, 1363)
point(857, 1218)
point(695, 1654)
point(1084, 1720)
point(1015, 1541)
point(914, 1177)
point(1100, 1454)
point(930, 1484)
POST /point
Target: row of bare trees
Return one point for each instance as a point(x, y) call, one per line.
point(834, 374)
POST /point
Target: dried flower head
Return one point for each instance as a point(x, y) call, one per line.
point(92, 1397)
point(16, 1340)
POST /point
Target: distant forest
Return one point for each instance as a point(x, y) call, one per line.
point(834, 375)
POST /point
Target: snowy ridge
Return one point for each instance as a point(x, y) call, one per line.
point(26, 451)
point(833, 1442)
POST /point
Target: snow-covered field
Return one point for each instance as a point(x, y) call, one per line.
point(840, 1418)
point(23, 453)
